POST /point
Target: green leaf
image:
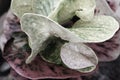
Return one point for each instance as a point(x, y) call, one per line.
point(79, 57)
point(86, 9)
point(100, 29)
point(20, 7)
point(52, 51)
point(43, 7)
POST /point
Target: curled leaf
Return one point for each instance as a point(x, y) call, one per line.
point(100, 29)
point(79, 57)
point(38, 33)
point(39, 29)
point(60, 10)
point(69, 8)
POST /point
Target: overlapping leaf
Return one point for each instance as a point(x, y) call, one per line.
point(89, 29)
point(17, 51)
point(108, 50)
point(39, 29)
point(58, 10)
point(99, 29)
point(39, 33)
point(84, 9)
point(79, 57)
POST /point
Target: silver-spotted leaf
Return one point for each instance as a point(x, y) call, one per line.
point(79, 57)
point(100, 29)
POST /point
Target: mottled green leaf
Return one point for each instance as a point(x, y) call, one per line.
point(43, 7)
point(79, 57)
point(52, 51)
point(99, 29)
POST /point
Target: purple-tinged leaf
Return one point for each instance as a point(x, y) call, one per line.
point(37, 69)
point(108, 50)
point(9, 23)
point(16, 76)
